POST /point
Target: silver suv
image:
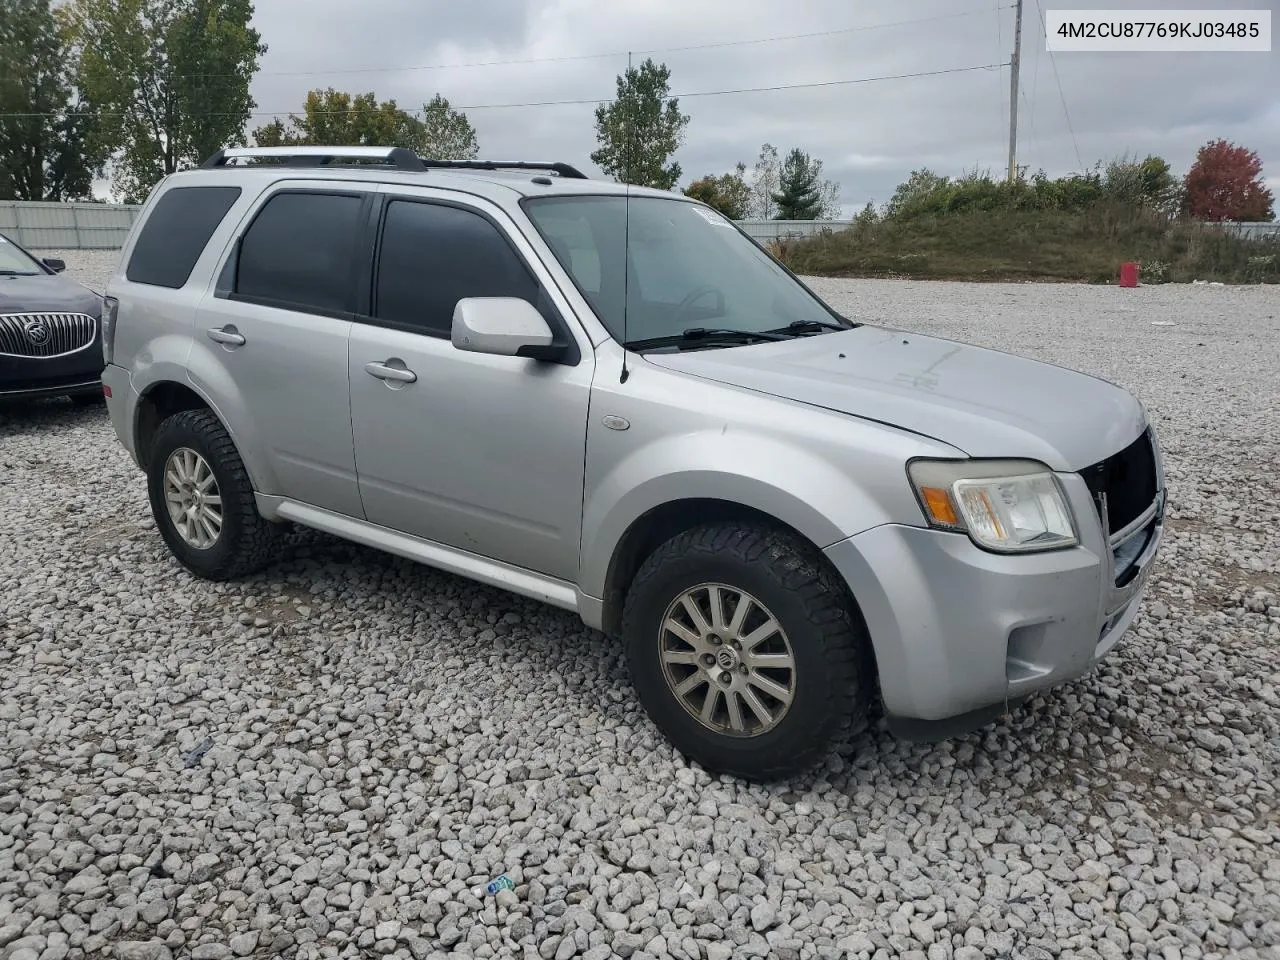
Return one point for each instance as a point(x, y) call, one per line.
point(614, 401)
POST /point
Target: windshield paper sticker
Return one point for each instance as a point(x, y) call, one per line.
point(713, 218)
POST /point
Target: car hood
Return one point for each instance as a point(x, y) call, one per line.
point(984, 402)
point(47, 293)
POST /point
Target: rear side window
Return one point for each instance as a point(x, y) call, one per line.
point(434, 255)
point(175, 234)
point(299, 253)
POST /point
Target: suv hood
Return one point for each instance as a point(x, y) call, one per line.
point(47, 293)
point(984, 402)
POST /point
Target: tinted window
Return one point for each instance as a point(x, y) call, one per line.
point(432, 256)
point(299, 252)
point(176, 232)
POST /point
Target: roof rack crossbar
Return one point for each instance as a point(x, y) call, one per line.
point(399, 157)
point(563, 169)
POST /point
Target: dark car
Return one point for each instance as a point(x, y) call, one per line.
point(50, 330)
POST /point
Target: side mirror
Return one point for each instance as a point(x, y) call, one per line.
point(57, 266)
point(504, 327)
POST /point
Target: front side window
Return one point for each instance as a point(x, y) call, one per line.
point(14, 262)
point(300, 253)
point(668, 266)
point(433, 255)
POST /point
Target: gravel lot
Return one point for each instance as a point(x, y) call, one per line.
point(324, 760)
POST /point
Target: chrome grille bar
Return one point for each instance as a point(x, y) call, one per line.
point(45, 335)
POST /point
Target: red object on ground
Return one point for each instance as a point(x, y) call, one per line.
point(1128, 274)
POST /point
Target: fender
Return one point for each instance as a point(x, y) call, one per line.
point(789, 482)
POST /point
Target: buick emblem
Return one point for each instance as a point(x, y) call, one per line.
point(37, 332)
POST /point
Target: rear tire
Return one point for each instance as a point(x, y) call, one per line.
point(761, 694)
point(87, 399)
point(202, 499)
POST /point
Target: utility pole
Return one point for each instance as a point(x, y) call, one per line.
point(1014, 63)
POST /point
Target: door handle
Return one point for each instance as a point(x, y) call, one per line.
point(227, 336)
point(385, 372)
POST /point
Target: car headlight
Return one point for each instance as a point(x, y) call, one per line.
point(1010, 506)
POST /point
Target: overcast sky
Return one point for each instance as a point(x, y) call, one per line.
point(869, 135)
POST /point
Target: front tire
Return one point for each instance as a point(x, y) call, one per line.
point(745, 650)
point(202, 499)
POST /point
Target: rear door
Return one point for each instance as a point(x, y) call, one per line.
point(271, 339)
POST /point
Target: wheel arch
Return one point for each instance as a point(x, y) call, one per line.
point(156, 403)
point(163, 398)
point(647, 532)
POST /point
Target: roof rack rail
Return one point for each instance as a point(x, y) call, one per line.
point(563, 169)
point(401, 158)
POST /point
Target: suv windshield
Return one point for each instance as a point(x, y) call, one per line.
point(689, 268)
point(14, 262)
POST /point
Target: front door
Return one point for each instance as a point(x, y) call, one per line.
point(481, 453)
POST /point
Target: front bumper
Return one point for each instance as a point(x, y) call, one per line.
point(72, 373)
point(961, 634)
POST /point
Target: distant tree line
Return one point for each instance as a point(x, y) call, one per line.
point(1224, 183)
point(133, 90)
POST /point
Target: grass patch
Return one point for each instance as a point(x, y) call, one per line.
point(1047, 245)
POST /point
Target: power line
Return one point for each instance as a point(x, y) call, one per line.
point(617, 54)
point(1061, 96)
point(595, 100)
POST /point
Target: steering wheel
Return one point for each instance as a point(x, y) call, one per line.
point(694, 295)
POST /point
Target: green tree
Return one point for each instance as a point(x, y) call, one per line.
point(43, 124)
point(764, 183)
point(640, 130)
point(169, 79)
point(729, 193)
point(447, 134)
point(799, 195)
point(1148, 181)
point(337, 118)
point(919, 185)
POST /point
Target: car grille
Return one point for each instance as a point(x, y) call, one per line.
point(1127, 480)
point(1124, 487)
point(45, 334)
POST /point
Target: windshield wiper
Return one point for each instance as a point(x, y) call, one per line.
point(17, 273)
point(709, 336)
point(810, 326)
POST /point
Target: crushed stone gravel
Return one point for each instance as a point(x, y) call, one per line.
point(326, 759)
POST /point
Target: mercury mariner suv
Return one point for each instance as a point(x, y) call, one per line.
point(614, 401)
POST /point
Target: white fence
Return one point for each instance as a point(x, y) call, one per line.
point(104, 226)
point(66, 226)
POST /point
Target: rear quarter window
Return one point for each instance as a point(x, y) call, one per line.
point(175, 233)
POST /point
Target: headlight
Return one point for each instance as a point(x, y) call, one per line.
point(1011, 506)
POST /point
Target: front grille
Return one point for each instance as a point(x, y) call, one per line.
point(45, 334)
point(1127, 480)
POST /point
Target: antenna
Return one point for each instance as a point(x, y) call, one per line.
point(627, 149)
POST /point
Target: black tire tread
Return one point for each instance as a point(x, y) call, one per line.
point(846, 649)
point(256, 545)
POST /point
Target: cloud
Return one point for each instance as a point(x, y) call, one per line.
point(869, 135)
